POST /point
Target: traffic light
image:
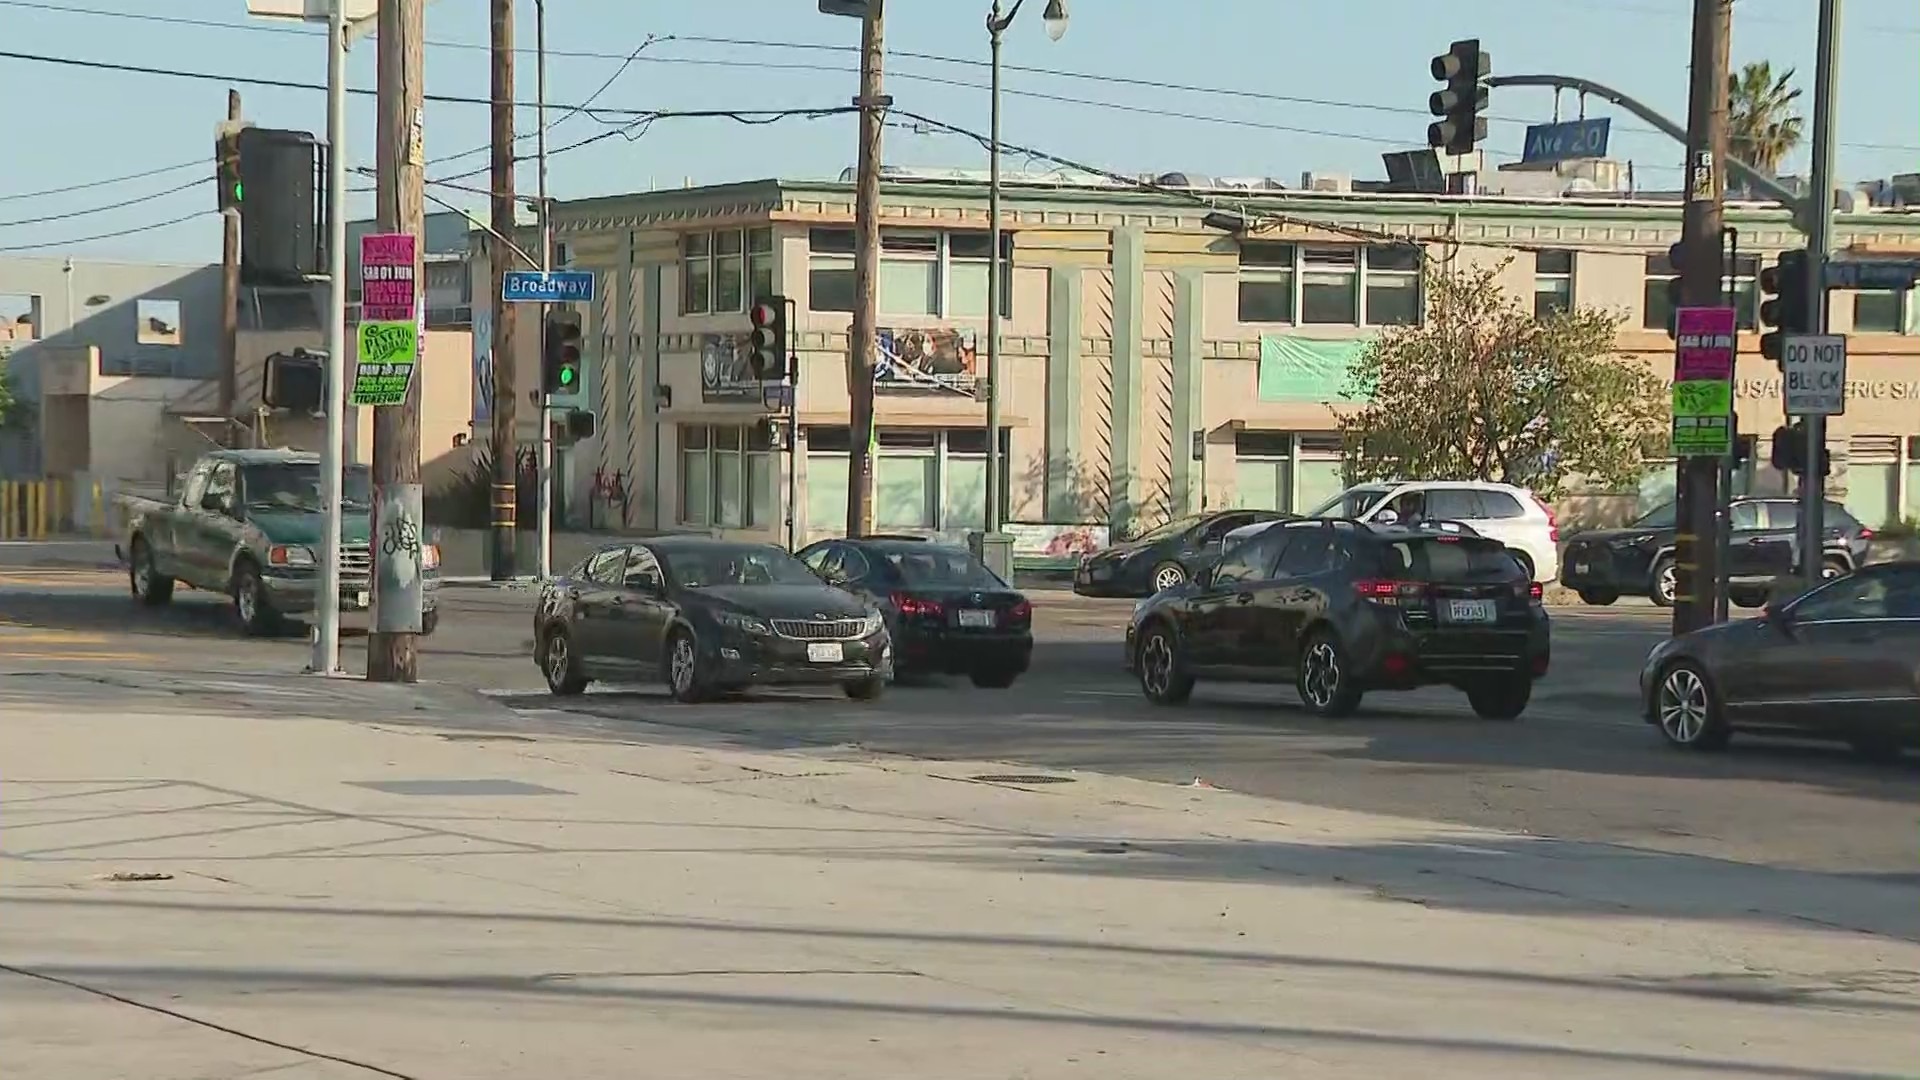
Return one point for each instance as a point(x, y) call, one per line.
point(1790, 451)
point(560, 353)
point(1785, 309)
point(1459, 105)
point(768, 355)
point(274, 186)
point(226, 172)
point(295, 381)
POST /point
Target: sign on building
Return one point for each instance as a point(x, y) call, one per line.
point(1815, 382)
point(936, 361)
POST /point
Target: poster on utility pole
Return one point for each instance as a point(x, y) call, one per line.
point(389, 334)
point(1703, 359)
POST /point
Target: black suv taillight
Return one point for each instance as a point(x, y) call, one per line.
point(1394, 593)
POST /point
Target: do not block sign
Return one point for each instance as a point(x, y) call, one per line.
point(1816, 374)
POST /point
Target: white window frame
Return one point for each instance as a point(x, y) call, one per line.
point(1902, 301)
point(1361, 272)
point(756, 248)
point(1556, 282)
point(943, 258)
point(1744, 319)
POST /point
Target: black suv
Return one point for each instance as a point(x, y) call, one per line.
point(1340, 608)
point(1602, 565)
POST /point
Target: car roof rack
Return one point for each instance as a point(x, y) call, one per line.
point(894, 536)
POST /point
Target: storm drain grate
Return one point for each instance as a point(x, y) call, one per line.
point(456, 787)
point(1022, 778)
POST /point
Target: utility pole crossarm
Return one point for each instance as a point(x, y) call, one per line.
point(1755, 178)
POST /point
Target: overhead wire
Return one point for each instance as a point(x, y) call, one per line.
point(89, 211)
point(116, 234)
point(88, 185)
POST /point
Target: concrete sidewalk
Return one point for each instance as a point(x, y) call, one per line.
point(348, 884)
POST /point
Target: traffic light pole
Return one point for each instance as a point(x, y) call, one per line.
point(545, 528)
point(504, 505)
point(1697, 496)
point(326, 630)
point(1819, 249)
point(229, 300)
point(866, 267)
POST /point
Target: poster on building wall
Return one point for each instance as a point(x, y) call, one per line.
point(725, 374)
point(923, 361)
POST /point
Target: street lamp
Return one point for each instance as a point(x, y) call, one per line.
point(1055, 17)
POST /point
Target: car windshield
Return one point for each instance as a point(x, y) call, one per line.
point(1171, 528)
point(736, 564)
point(1446, 559)
point(296, 487)
point(1660, 517)
point(1350, 503)
point(943, 568)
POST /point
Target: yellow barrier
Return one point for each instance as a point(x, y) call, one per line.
point(40, 509)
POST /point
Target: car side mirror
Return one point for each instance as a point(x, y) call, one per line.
point(1387, 517)
point(1203, 577)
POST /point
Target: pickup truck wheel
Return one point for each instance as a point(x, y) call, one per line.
point(150, 587)
point(251, 603)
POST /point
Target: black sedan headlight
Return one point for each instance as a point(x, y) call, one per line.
point(748, 625)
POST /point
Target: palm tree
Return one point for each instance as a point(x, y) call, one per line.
point(1764, 129)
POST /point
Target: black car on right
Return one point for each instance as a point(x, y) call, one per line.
point(1341, 608)
point(1602, 565)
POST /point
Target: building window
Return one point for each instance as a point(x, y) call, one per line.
point(726, 476)
point(1330, 285)
point(1880, 312)
point(1263, 470)
point(1740, 288)
point(1552, 283)
point(719, 270)
point(1290, 284)
point(1266, 282)
point(924, 480)
point(1912, 510)
point(922, 273)
point(1393, 285)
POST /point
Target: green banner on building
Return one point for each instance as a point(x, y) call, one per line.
point(1301, 369)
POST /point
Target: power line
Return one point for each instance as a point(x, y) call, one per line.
point(43, 219)
point(752, 43)
point(583, 107)
point(108, 182)
point(70, 241)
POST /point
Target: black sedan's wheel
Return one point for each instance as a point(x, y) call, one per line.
point(1326, 681)
point(1163, 673)
point(1687, 709)
point(150, 587)
point(1666, 582)
point(559, 664)
point(684, 678)
point(868, 689)
point(1168, 575)
point(1500, 699)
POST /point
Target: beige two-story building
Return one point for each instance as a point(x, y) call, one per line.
point(1130, 328)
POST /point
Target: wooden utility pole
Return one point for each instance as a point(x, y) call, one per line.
point(229, 303)
point(400, 161)
point(866, 266)
point(505, 442)
point(1702, 270)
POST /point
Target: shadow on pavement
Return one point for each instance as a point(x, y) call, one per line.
point(137, 981)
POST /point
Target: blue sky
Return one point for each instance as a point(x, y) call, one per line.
point(1355, 71)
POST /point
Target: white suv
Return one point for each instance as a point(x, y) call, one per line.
point(1512, 515)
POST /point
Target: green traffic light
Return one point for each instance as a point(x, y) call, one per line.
point(566, 376)
point(239, 192)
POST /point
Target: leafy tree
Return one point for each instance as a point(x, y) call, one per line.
point(1485, 390)
point(1763, 127)
point(9, 402)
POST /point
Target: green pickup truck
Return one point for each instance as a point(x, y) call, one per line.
point(247, 524)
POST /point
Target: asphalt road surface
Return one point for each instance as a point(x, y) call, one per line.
point(1580, 766)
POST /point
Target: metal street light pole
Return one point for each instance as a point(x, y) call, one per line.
point(546, 264)
point(326, 636)
point(1056, 20)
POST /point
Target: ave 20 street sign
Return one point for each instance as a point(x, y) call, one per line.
point(1816, 374)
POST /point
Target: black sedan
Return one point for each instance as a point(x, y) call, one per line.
point(1340, 609)
point(1839, 661)
point(1603, 565)
point(706, 617)
point(1165, 557)
point(946, 611)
